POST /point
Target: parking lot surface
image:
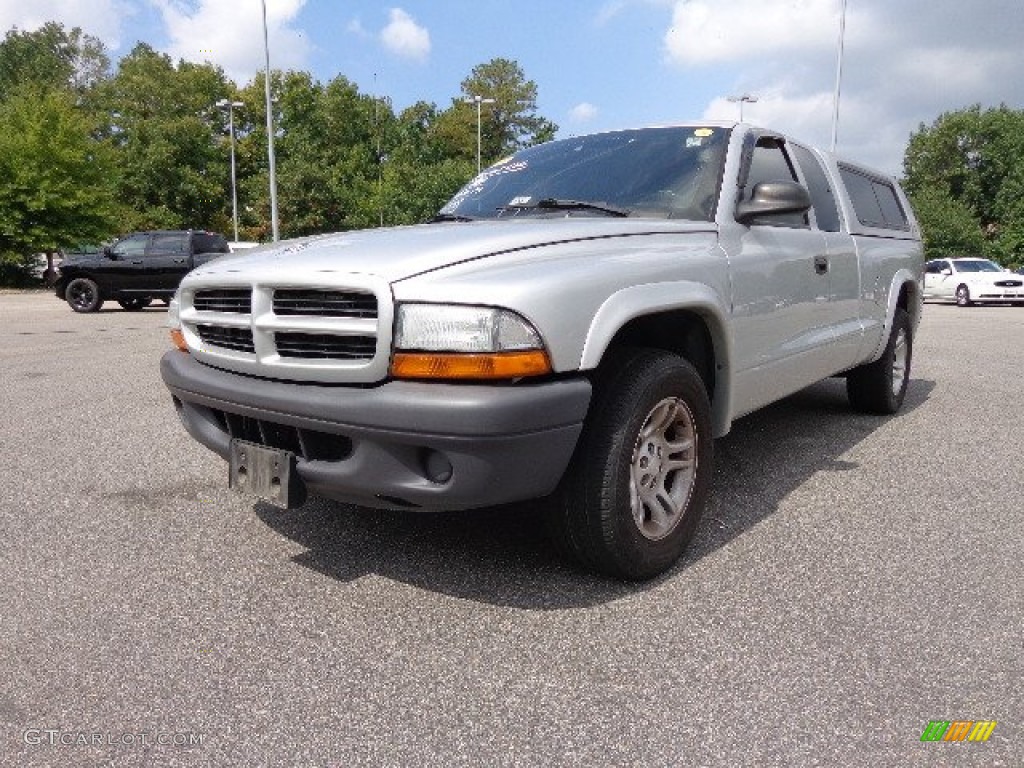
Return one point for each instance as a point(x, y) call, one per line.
point(854, 578)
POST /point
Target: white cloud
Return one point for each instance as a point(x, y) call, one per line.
point(582, 113)
point(230, 34)
point(710, 31)
point(904, 64)
point(100, 18)
point(404, 37)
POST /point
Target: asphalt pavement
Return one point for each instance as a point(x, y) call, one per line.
point(854, 578)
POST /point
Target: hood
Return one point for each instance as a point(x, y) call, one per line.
point(989, 278)
point(395, 253)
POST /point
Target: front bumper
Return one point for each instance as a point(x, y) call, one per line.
point(398, 445)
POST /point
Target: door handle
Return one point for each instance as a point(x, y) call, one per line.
point(821, 264)
point(136, 262)
point(179, 261)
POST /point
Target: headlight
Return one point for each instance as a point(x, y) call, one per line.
point(447, 341)
point(174, 323)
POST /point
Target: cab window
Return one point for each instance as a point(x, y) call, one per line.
point(769, 162)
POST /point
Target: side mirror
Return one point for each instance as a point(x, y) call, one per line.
point(947, 272)
point(108, 251)
point(772, 198)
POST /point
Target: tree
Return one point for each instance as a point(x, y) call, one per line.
point(969, 165)
point(511, 122)
point(55, 189)
point(52, 57)
point(172, 172)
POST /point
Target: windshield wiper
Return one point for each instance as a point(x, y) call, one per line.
point(449, 217)
point(560, 204)
point(554, 203)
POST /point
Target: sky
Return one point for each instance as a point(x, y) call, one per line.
point(606, 64)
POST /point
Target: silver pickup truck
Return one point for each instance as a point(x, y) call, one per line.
point(576, 325)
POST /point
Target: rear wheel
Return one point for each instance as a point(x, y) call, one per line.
point(880, 387)
point(963, 296)
point(134, 305)
point(632, 498)
point(83, 295)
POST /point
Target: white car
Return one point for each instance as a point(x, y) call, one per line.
point(970, 280)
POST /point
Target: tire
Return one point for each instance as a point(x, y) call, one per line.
point(880, 387)
point(963, 296)
point(83, 295)
point(630, 503)
point(134, 305)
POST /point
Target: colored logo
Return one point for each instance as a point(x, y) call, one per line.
point(958, 730)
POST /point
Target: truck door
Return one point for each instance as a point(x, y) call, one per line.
point(123, 267)
point(842, 311)
point(781, 334)
point(167, 260)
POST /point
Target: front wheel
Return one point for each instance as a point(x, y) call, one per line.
point(134, 305)
point(963, 296)
point(880, 387)
point(632, 498)
point(83, 295)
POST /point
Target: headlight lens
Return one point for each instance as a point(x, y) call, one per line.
point(455, 328)
point(447, 341)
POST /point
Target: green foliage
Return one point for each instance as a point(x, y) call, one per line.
point(54, 188)
point(948, 225)
point(965, 174)
point(164, 128)
point(512, 122)
point(51, 58)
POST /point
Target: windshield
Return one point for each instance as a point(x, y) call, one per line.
point(657, 172)
point(976, 265)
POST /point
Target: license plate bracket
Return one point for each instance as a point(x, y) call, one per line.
point(269, 473)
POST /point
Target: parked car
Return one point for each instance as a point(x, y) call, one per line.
point(135, 269)
point(582, 319)
point(969, 280)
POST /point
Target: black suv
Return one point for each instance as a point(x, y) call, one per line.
point(136, 269)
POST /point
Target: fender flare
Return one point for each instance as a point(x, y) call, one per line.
point(638, 301)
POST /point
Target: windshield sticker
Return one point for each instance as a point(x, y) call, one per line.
point(703, 133)
point(520, 201)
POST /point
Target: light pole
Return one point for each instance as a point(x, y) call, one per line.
point(839, 76)
point(746, 98)
point(478, 100)
point(230, 106)
point(270, 130)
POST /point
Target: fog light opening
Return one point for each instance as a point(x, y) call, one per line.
point(436, 466)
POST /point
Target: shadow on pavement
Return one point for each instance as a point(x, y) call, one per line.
point(501, 555)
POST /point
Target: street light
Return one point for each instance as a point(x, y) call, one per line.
point(478, 100)
point(230, 106)
point(746, 98)
point(270, 129)
point(839, 76)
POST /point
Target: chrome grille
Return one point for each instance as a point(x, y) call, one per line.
point(238, 300)
point(337, 330)
point(290, 302)
point(236, 339)
point(1009, 283)
point(323, 346)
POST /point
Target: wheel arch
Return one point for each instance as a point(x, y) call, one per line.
point(904, 293)
point(684, 318)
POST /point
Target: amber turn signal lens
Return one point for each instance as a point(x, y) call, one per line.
point(178, 339)
point(499, 365)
